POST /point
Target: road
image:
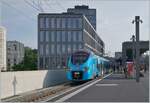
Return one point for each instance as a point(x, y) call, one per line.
point(114, 88)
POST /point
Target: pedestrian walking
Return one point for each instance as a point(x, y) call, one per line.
point(125, 71)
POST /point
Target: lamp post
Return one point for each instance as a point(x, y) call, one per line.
point(137, 24)
point(133, 47)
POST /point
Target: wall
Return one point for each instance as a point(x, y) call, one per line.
point(13, 83)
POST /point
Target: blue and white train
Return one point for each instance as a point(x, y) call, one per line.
point(85, 65)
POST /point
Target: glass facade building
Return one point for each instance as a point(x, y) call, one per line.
point(61, 34)
point(89, 13)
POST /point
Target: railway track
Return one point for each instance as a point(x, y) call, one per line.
point(50, 94)
point(37, 95)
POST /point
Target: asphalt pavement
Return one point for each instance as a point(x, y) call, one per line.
point(114, 88)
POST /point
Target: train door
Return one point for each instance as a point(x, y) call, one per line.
point(94, 68)
point(98, 67)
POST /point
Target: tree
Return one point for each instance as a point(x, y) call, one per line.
point(29, 62)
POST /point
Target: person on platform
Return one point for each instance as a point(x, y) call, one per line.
point(125, 71)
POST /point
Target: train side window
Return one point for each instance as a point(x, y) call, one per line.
point(101, 66)
point(97, 64)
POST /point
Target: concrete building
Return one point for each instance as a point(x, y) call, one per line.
point(15, 53)
point(61, 34)
point(127, 49)
point(85, 10)
point(2, 49)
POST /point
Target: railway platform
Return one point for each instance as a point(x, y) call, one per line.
point(114, 88)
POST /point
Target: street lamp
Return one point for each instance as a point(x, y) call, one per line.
point(137, 22)
point(133, 47)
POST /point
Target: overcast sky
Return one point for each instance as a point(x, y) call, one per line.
point(114, 19)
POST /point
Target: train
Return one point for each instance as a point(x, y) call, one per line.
point(86, 65)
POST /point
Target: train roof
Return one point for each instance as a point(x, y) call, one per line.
point(90, 52)
point(84, 50)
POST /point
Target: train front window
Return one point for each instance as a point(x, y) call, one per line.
point(79, 57)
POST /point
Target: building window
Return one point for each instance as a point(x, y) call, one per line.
point(80, 46)
point(53, 62)
point(47, 22)
point(52, 36)
point(63, 62)
point(14, 61)
point(59, 62)
point(15, 47)
point(41, 49)
point(46, 62)
point(58, 22)
point(74, 47)
point(52, 22)
point(79, 23)
point(47, 36)
point(47, 49)
point(63, 36)
point(74, 36)
point(58, 49)
point(58, 36)
point(42, 23)
point(42, 36)
point(41, 62)
point(69, 24)
point(74, 23)
point(63, 48)
point(69, 36)
point(69, 48)
point(79, 35)
point(52, 48)
point(63, 22)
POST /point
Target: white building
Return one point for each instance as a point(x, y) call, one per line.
point(15, 53)
point(2, 48)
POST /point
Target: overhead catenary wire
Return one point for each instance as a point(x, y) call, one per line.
point(17, 10)
point(40, 5)
point(34, 5)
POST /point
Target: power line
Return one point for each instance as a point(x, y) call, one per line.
point(39, 6)
point(31, 5)
point(18, 10)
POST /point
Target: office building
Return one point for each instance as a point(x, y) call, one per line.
point(85, 10)
point(61, 34)
point(2, 49)
point(15, 53)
